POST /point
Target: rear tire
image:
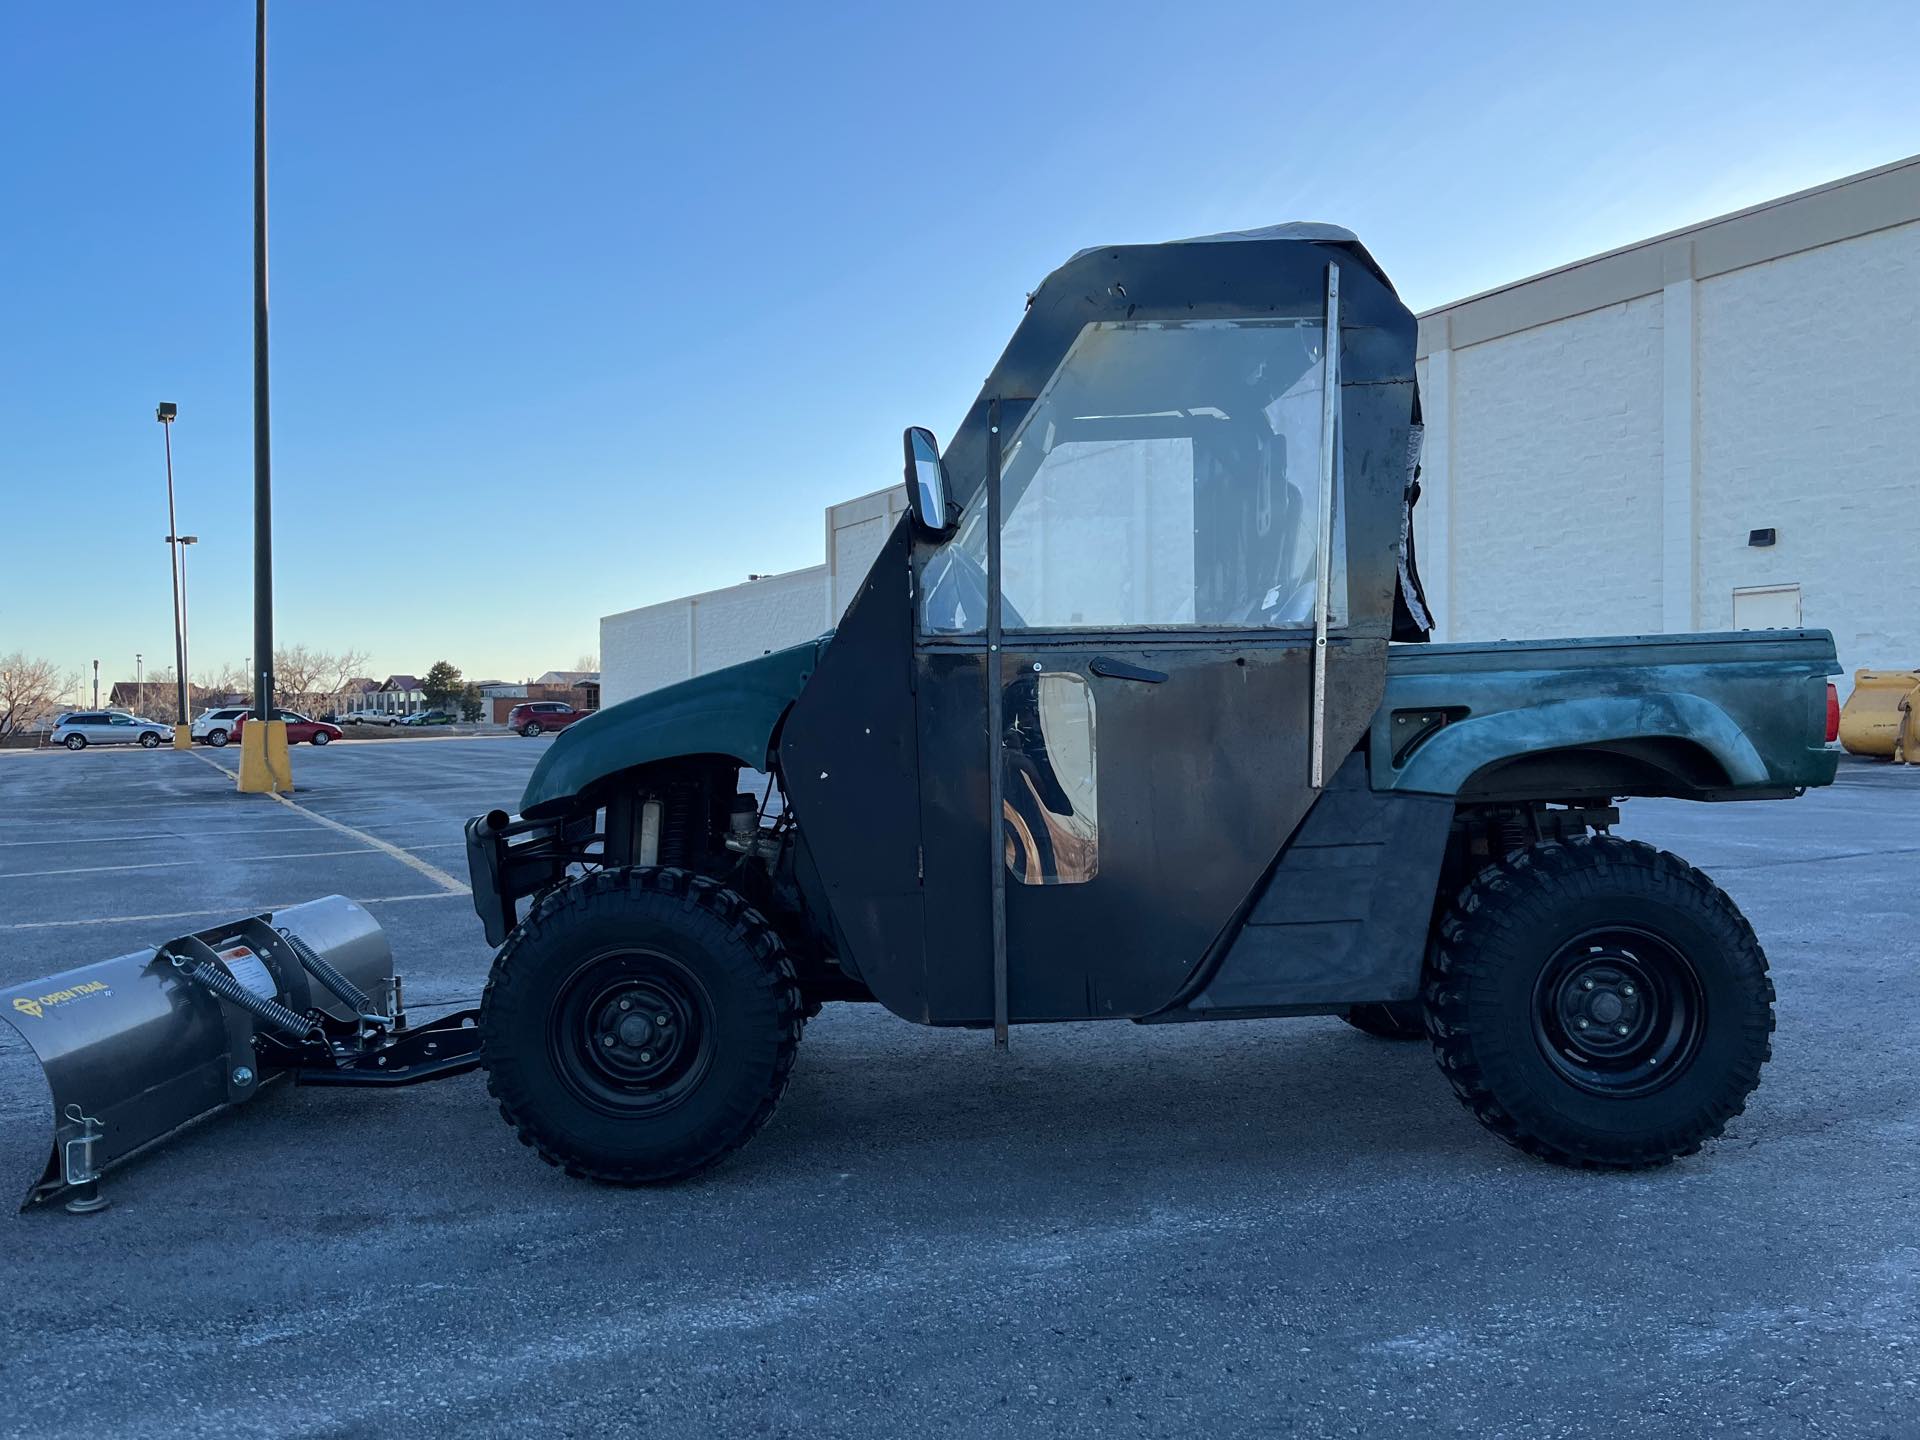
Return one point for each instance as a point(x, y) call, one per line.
point(640, 1026)
point(1599, 1003)
point(75, 742)
point(1390, 1020)
point(530, 729)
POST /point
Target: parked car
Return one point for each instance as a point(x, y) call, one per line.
point(215, 727)
point(535, 717)
point(300, 729)
point(82, 728)
point(428, 717)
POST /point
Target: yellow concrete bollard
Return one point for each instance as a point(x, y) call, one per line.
point(1882, 715)
point(265, 766)
point(183, 737)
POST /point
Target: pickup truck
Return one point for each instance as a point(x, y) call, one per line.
point(1135, 716)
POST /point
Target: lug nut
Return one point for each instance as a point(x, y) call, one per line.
point(661, 1020)
point(1619, 1029)
point(645, 1056)
point(1586, 984)
point(1580, 1024)
point(1627, 990)
point(607, 1040)
point(626, 1004)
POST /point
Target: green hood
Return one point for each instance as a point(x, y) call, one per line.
point(731, 712)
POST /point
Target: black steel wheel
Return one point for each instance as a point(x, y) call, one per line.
point(1599, 1002)
point(1390, 1020)
point(640, 1025)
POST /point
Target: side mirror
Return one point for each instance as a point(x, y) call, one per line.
point(926, 480)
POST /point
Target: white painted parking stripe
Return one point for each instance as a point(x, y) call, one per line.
point(223, 910)
point(199, 860)
point(197, 835)
point(412, 862)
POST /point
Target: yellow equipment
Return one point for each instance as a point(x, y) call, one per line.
point(1882, 716)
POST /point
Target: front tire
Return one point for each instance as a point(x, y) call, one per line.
point(320, 737)
point(1599, 1003)
point(217, 738)
point(148, 740)
point(640, 1026)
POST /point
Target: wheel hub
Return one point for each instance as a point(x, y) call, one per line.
point(632, 1033)
point(1618, 1012)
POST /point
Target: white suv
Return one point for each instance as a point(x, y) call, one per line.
point(216, 726)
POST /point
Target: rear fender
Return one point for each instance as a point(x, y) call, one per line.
point(1443, 764)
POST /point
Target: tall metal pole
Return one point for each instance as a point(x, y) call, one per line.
point(996, 739)
point(262, 439)
point(173, 550)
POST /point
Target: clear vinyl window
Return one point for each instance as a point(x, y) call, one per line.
point(1051, 818)
point(1165, 476)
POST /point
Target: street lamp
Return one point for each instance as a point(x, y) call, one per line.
point(182, 735)
point(139, 681)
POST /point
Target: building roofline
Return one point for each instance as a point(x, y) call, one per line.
point(1854, 205)
point(819, 570)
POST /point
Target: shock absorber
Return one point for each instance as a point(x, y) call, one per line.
point(676, 825)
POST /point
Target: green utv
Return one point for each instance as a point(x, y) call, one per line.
point(1116, 728)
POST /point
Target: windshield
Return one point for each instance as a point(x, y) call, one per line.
point(1164, 477)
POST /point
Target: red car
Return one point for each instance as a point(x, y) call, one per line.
point(534, 717)
point(300, 730)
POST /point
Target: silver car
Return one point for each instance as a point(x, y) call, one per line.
point(107, 727)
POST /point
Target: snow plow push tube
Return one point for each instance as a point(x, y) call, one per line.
point(136, 1047)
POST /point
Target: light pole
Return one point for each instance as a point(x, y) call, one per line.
point(264, 765)
point(165, 413)
point(185, 630)
point(96, 684)
point(139, 681)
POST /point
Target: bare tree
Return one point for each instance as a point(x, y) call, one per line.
point(230, 679)
point(314, 679)
point(587, 662)
point(342, 670)
point(29, 692)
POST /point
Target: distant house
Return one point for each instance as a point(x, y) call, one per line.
point(399, 695)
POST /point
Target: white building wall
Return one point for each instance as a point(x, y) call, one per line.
point(656, 645)
point(641, 650)
point(1555, 470)
point(1809, 385)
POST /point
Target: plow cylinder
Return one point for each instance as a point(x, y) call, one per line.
point(137, 1046)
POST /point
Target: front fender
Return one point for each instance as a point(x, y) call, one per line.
point(1444, 764)
point(732, 712)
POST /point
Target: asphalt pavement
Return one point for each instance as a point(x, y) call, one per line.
point(1272, 1228)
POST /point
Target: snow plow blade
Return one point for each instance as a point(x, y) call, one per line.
point(141, 1045)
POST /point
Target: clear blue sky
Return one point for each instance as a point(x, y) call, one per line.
point(578, 307)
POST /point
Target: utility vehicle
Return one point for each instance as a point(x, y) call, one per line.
point(1116, 728)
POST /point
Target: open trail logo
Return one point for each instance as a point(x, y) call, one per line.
point(37, 1006)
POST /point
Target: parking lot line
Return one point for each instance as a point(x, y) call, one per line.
point(197, 860)
point(223, 910)
point(412, 862)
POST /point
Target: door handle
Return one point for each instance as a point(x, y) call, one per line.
point(1121, 670)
